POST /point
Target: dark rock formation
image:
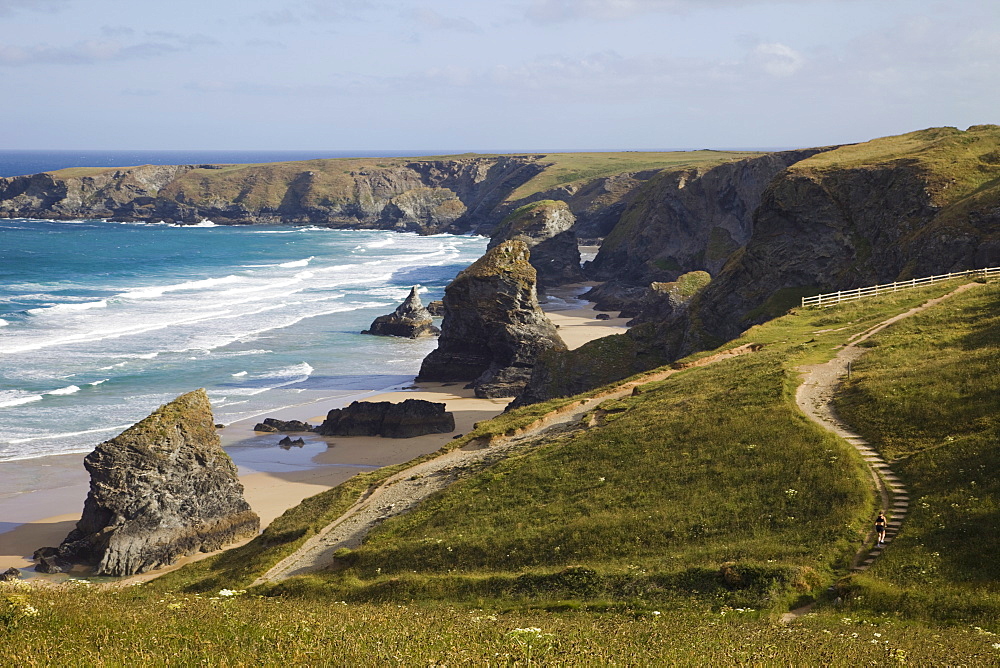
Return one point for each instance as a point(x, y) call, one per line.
point(618, 296)
point(665, 301)
point(413, 417)
point(287, 442)
point(10, 574)
point(545, 227)
point(273, 426)
point(410, 320)
point(162, 489)
point(688, 220)
point(493, 329)
point(436, 308)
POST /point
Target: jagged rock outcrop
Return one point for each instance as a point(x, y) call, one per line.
point(413, 417)
point(273, 425)
point(162, 489)
point(493, 329)
point(410, 320)
point(546, 228)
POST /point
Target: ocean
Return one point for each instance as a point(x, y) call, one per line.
point(101, 323)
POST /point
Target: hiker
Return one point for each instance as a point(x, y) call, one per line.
point(880, 527)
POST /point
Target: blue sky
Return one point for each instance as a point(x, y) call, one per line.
point(499, 75)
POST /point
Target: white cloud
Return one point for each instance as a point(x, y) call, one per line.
point(778, 59)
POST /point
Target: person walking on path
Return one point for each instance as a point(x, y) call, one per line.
point(880, 524)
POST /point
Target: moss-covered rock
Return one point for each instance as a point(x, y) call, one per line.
point(493, 329)
point(164, 488)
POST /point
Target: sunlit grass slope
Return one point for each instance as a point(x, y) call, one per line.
point(710, 472)
point(683, 492)
point(955, 163)
point(927, 396)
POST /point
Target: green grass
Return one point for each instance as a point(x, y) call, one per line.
point(957, 164)
point(927, 396)
point(711, 467)
point(80, 626)
point(679, 555)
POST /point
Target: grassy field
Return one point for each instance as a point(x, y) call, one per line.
point(673, 533)
point(927, 396)
point(79, 626)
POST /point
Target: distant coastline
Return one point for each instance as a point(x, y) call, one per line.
point(22, 162)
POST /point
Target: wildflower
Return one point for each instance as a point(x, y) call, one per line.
point(656, 613)
point(996, 645)
point(601, 479)
point(790, 493)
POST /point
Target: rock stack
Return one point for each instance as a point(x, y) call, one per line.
point(545, 227)
point(164, 488)
point(493, 329)
point(410, 320)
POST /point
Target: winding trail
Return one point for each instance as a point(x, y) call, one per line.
point(406, 489)
point(815, 398)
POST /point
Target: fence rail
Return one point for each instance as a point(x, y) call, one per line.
point(860, 293)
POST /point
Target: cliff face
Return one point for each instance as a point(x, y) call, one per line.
point(916, 205)
point(688, 220)
point(162, 489)
point(493, 329)
point(919, 204)
point(422, 196)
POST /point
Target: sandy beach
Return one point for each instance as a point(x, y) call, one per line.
point(41, 499)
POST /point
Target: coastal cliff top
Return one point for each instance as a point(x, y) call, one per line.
point(955, 163)
point(335, 176)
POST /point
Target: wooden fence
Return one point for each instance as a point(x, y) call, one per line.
point(860, 293)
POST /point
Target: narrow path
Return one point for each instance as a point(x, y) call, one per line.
point(403, 491)
point(815, 398)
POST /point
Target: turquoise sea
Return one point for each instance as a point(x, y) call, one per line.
point(101, 322)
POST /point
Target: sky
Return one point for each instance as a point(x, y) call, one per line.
point(491, 75)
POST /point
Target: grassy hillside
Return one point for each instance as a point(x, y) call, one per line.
point(956, 163)
point(927, 395)
point(671, 533)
